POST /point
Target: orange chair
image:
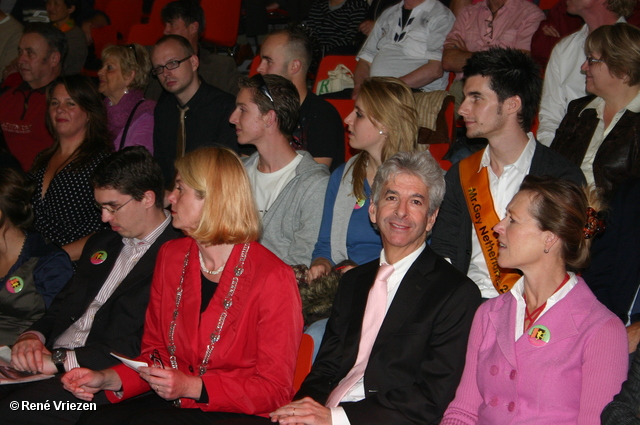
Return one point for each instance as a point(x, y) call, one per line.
point(145, 34)
point(255, 63)
point(329, 63)
point(156, 9)
point(345, 107)
point(124, 14)
point(223, 20)
point(101, 5)
point(547, 4)
point(535, 125)
point(438, 151)
point(305, 360)
point(103, 37)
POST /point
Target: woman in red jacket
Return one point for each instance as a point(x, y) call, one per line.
point(224, 320)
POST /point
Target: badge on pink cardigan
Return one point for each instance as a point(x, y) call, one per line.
point(539, 335)
point(98, 258)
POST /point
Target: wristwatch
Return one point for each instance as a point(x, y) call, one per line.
point(58, 357)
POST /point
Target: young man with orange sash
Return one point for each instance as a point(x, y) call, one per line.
point(502, 89)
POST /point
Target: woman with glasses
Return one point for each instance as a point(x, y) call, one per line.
point(383, 123)
point(546, 352)
point(63, 200)
point(601, 132)
point(123, 77)
point(33, 271)
point(224, 320)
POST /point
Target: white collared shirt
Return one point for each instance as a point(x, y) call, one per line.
point(601, 133)
point(76, 335)
point(503, 189)
point(521, 306)
point(400, 268)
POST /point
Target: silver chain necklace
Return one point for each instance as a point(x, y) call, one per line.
point(226, 303)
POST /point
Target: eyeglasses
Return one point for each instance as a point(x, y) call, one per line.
point(109, 208)
point(159, 70)
point(591, 61)
point(264, 89)
point(156, 359)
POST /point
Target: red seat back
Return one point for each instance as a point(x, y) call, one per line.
point(305, 360)
point(223, 19)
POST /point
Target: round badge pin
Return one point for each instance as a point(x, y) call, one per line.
point(98, 257)
point(359, 204)
point(14, 284)
point(539, 335)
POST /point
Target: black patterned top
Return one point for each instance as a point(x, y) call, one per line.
point(67, 212)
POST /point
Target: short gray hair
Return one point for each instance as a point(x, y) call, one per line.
point(419, 164)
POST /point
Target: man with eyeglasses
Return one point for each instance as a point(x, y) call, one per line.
point(191, 113)
point(288, 185)
point(102, 309)
point(489, 23)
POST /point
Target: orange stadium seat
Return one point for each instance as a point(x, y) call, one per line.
point(305, 360)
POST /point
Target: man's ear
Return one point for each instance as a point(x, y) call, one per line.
point(372, 212)
point(193, 28)
point(194, 61)
point(295, 66)
point(55, 57)
point(270, 118)
point(149, 199)
point(512, 105)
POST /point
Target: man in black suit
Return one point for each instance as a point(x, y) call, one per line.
point(102, 308)
point(614, 273)
point(502, 89)
point(410, 369)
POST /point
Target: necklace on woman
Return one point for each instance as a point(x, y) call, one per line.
point(226, 304)
point(205, 269)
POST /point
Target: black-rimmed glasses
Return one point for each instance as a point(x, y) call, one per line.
point(158, 70)
point(109, 208)
point(156, 359)
point(264, 89)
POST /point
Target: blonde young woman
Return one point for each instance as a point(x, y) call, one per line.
point(383, 122)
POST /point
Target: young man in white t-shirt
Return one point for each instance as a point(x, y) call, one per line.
point(288, 185)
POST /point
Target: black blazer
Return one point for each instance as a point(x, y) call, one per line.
point(618, 157)
point(614, 274)
point(418, 357)
point(451, 236)
point(118, 324)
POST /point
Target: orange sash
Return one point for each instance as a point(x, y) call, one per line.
point(475, 186)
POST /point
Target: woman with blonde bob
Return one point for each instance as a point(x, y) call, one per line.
point(546, 352)
point(383, 122)
point(224, 319)
point(123, 77)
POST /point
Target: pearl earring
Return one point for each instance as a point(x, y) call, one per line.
point(126, 90)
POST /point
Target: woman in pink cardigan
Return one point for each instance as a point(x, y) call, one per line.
point(547, 352)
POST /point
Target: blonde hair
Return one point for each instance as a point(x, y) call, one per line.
point(619, 47)
point(229, 214)
point(132, 58)
point(389, 103)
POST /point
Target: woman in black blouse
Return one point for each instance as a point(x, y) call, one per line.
point(63, 200)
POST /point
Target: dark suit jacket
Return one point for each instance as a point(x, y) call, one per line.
point(617, 159)
point(452, 232)
point(418, 357)
point(118, 324)
point(614, 274)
